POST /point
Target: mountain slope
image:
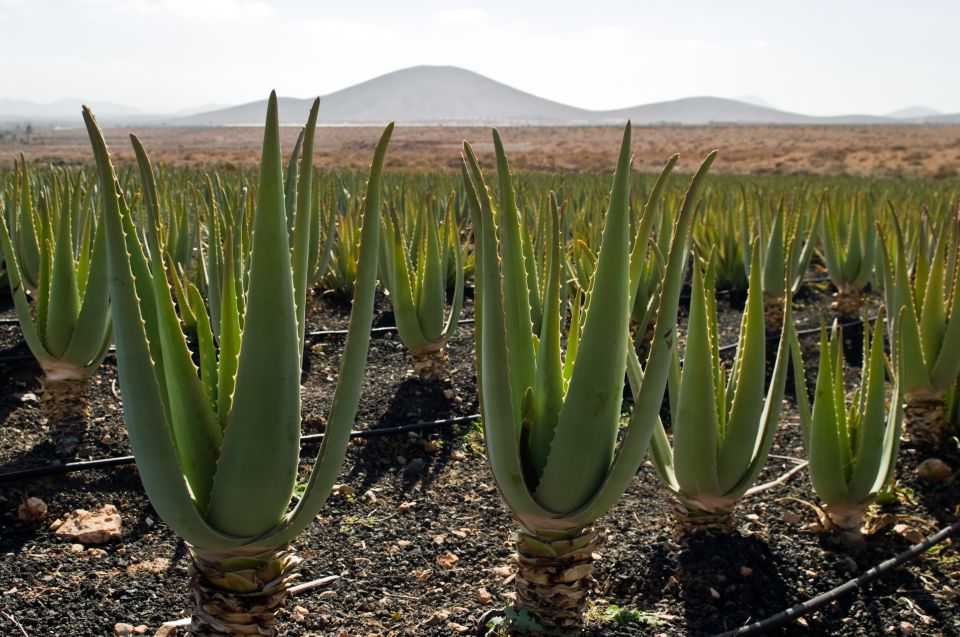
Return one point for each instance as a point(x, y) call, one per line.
point(417, 95)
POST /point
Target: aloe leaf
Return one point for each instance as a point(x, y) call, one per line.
point(548, 390)
point(648, 399)
point(744, 429)
point(586, 431)
point(346, 397)
point(516, 295)
point(433, 288)
point(144, 410)
point(303, 222)
point(695, 439)
point(93, 321)
point(501, 418)
point(870, 451)
point(827, 467)
point(263, 426)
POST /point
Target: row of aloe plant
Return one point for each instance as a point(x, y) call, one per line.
point(551, 418)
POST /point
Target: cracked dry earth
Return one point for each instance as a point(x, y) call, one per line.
point(420, 542)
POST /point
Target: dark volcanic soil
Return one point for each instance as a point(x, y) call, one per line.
point(421, 547)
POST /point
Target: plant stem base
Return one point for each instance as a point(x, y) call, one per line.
point(773, 313)
point(430, 365)
point(235, 593)
point(690, 518)
point(847, 302)
point(923, 420)
point(65, 410)
point(554, 577)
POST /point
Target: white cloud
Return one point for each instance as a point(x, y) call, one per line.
point(609, 34)
point(221, 9)
point(760, 44)
point(688, 43)
point(340, 29)
point(461, 16)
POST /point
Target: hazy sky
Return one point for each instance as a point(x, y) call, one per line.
point(814, 56)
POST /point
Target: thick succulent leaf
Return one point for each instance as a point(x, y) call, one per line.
point(263, 426)
point(501, 419)
point(516, 295)
point(695, 439)
point(93, 322)
point(64, 303)
point(346, 396)
point(548, 390)
point(433, 289)
point(947, 365)
point(745, 430)
point(870, 454)
point(398, 281)
point(144, 411)
point(827, 469)
point(586, 431)
point(648, 399)
point(303, 221)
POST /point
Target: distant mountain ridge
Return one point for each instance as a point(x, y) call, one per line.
point(447, 95)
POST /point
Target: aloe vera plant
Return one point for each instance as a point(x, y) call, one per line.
point(924, 312)
point(218, 448)
point(415, 269)
point(66, 318)
point(784, 266)
point(849, 250)
point(550, 420)
point(723, 427)
point(852, 447)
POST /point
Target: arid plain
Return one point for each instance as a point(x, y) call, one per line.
point(866, 150)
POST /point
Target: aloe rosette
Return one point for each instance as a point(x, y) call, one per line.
point(852, 447)
point(723, 425)
point(65, 320)
point(415, 275)
point(551, 421)
point(218, 448)
point(924, 311)
point(849, 244)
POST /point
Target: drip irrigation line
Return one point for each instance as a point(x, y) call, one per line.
point(106, 463)
point(784, 617)
point(373, 330)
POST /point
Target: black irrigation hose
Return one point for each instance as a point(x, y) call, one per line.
point(105, 463)
point(784, 617)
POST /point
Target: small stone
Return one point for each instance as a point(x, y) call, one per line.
point(56, 524)
point(908, 532)
point(431, 446)
point(370, 496)
point(32, 510)
point(458, 628)
point(458, 456)
point(746, 571)
point(502, 571)
point(422, 575)
point(123, 629)
point(300, 611)
point(404, 544)
point(92, 527)
point(713, 593)
point(406, 506)
point(447, 560)
point(907, 628)
point(106, 440)
point(28, 397)
point(483, 596)
point(439, 539)
point(440, 616)
point(790, 517)
point(448, 394)
point(149, 522)
point(401, 460)
point(343, 489)
point(141, 629)
point(96, 554)
point(935, 471)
